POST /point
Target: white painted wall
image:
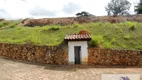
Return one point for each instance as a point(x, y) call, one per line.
point(84, 51)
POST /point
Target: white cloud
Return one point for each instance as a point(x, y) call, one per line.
point(4, 14)
point(71, 8)
point(53, 8)
point(16, 8)
point(38, 11)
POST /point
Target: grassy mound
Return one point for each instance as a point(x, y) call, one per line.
point(126, 35)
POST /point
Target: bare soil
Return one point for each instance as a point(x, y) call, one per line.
point(19, 70)
point(73, 20)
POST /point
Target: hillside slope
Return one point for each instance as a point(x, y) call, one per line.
point(126, 35)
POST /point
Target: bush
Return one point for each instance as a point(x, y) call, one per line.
point(96, 41)
point(132, 28)
point(55, 28)
point(126, 37)
point(12, 26)
point(139, 47)
point(76, 25)
point(131, 25)
point(1, 24)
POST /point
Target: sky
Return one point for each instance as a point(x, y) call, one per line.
point(20, 9)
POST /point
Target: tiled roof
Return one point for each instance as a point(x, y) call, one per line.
point(78, 37)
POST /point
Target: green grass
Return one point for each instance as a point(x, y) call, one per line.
point(96, 41)
point(114, 36)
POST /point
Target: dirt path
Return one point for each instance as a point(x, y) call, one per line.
point(18, 70)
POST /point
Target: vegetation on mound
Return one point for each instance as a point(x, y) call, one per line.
point(126, 35)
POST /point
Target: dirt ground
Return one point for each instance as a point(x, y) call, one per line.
point(19, 70)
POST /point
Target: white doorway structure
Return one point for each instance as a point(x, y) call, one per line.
point(78, 48)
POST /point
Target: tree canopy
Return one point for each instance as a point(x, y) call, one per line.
point(118, 7)
point(138, 8)
point(83, 14)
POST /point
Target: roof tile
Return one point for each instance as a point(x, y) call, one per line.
point(77, 37)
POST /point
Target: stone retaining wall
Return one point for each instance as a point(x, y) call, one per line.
point(32, 53)
point(57, 55)
point(114, 57)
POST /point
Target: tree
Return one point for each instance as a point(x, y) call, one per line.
point(118, 7)
point(83, 14)
point(138, 8)
point(84, 17)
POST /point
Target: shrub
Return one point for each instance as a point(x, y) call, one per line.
point(132, 28)
point(130, 24)
point(76, 25)
point(126, 37)
point(1, 24)
point(12, 26)
point(139, 47)
point(96, 41)
point(55, 28)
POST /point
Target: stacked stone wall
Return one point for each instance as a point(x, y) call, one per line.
point(32, 53)
point(114, 57)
